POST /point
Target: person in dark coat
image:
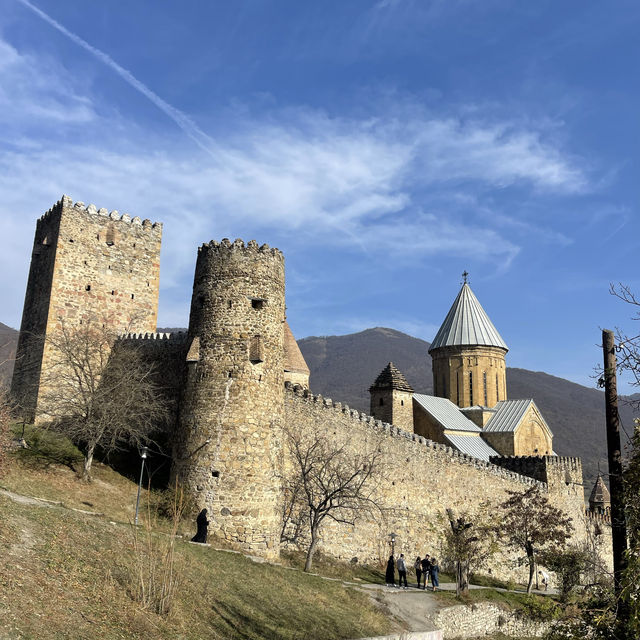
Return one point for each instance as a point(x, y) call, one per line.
point(426, 569)
point(417, 565)
point(390, 575)
point(435, 570)
point(202, 523)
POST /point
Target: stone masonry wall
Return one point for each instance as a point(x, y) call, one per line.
point(423, 479)
point(227, 448)
point(88, 265)
point(451, 369)
point(485, 619)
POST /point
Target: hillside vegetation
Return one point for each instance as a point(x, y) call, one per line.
point(67, 573)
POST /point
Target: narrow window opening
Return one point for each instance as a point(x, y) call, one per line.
point(113, 293)
point(497, 389)
point(132, 296)
point(70, 239)
point(45, 240)
point(215, 474)
point(230, 304)
point(109, 267)
point(85, 263)
point(444, 386)
point(402, 403)
point(148, 284)
point(484, 381)
point(257, 303)
point(88, 288)
point(381, 402)
point(256, 351)
point(134, 245)
point(471, 387)
point(110, 238)
point(230, 374)
point(458, 389)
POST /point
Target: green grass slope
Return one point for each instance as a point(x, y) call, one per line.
point(68, 574)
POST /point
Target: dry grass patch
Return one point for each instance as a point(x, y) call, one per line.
point(68, 575)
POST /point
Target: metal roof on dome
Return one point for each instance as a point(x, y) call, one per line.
point(467, 324)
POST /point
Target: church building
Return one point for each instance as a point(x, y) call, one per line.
point(469, 410)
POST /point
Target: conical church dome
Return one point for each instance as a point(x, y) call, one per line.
point(467, 324)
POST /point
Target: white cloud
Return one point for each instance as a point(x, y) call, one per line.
point(36, 92)
point(392, 185)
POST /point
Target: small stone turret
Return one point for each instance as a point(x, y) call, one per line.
point(600, 498)
point(392, 398)
point(232, 408)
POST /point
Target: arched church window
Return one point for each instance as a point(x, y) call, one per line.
point(497, 389)
point(471, 387)
point(484, 381)
point(381, 402)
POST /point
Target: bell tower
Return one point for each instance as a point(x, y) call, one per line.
point(468, 355)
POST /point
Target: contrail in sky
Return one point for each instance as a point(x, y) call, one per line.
point(204, 141)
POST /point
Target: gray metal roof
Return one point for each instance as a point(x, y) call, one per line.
point(446, 413)
point(472, 445)
point(467, 324)
point(508, 414)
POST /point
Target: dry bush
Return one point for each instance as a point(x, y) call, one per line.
point(5, 432)
point(154, 574)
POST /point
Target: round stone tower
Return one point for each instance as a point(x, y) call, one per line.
point(468, 355)
point(228, 455)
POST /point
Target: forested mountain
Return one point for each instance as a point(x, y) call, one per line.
point(343, 368)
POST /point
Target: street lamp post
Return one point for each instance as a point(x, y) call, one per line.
point(393, 544)
point(143, 455)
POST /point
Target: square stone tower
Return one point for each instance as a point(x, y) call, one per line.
point(87, 265)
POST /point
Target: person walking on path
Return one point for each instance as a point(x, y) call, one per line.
point(426, 569)
point(435, 570)
point(390, 575)
point(544, 577)
point(402, 571)
point(418, 567)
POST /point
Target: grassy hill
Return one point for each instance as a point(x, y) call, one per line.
point(343, 368)
point(70, 567)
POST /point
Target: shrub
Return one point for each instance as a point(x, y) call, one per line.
point(45, 447)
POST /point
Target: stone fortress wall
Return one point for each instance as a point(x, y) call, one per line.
point(425, 478)
point(87, 265)
point(225, 379)
point(227, 446)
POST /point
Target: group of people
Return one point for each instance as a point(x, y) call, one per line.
point(426, 569)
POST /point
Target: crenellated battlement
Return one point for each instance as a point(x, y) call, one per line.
point(238, 245)
point(165, 338)
point(67, 203)
point(555, 470)
point(394, 432)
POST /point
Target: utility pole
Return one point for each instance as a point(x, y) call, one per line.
point(614, 454)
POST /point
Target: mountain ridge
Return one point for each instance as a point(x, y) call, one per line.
point(343, 368)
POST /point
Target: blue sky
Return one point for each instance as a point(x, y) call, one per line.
point(385, 146)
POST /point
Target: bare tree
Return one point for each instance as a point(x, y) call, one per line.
point(469, 543)
point(332, 478)
point(530, 523)
point(98, 392)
